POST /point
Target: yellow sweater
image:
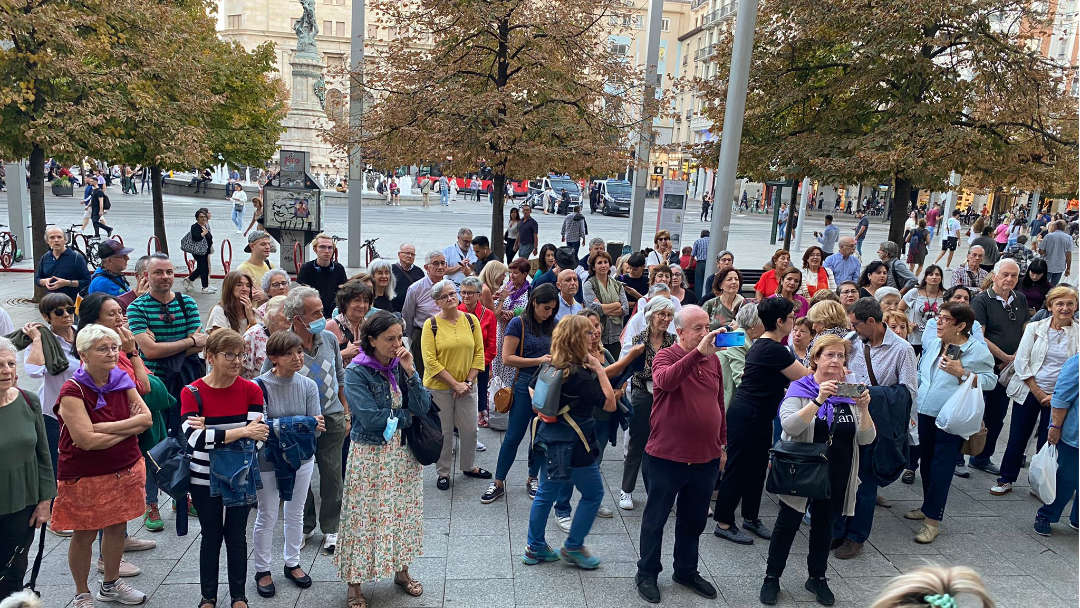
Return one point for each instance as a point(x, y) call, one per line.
point(454, 348)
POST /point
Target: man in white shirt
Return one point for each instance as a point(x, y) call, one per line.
point(567, 282)
point(950, 234)
point(460, 257)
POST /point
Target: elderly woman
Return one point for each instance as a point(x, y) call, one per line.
point(723, 308)
point(27, 471)
point(255, 337)
point(382, 275)
point(605, 295)
point(770, 280)
point(234, 311)
point(275, 283)
point(471, 288)
point(815, 276)
point(813, 413)
point(493, 277)
point(941, 374)
point(382, 527)
point(900, 276)
point(513, 300)
point(353, 301)
point(1043, 350)
point(101, 476)
point(827, 319)
point(59, 314)
point(638, 322)
point(679, 293)
point(659, 313)
point(453, 347)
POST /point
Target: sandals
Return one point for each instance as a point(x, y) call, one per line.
point(204, 603)
point(356, 602)
point(410, 586)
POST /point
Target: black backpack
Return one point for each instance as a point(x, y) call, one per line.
point(424, 436)
point(105, 203)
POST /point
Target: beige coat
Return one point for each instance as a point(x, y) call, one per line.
point(796, 429)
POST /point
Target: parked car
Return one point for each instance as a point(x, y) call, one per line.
point(558, 183)
point(613, 196)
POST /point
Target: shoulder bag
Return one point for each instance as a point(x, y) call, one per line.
point(801, 469)
point(169, 460)
point(424, 436)
point(504, 397)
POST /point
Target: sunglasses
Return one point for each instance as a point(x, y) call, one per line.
point(63, 310)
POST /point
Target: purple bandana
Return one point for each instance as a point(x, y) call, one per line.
point(369, 361)
point(119, 380)
point(520, 290)
point(807, 388)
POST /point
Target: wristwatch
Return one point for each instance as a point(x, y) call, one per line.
point(132, 354)
point(816, 402)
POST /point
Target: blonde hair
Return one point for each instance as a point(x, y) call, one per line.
point(822, 295)
point(829, 313)
point(321, 235)
point(1059, 292)
point(491, 271)
point(827, 341)
point(570, 341)
point(910, 590)
point(896, 316)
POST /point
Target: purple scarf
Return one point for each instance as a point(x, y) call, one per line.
point(520, 290)
point(807, 388)
point(368, 361)
point(119, 380)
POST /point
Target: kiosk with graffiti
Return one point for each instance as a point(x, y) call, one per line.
point(292, 209)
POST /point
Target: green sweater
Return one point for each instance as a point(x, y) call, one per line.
point(158, 401)
point(25, 465)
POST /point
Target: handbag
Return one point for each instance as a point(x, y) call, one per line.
point(170, 460)
point(547, 394)
point(424, 436)
point(504, 396)
point(974, 445)
point(191, 246)
point(798, 468)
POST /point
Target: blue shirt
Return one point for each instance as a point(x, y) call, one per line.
point(565, 309)
point(844, 269)
point(936, 385)
point(105, 283)
point(71, 265)
point(828, 239)
point(454, 257)
point(1065, 397)
point(535, 346)
point(701, 249)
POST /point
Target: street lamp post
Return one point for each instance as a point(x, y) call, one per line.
point(644, 146)
point(356, 114)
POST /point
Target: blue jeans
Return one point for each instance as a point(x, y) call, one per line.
point(238, 218)
point(521, 414)
point(1054, 277)
point(930, 237)
point(603, 434)
point(858, 246)
point(857, 527)
point(938, 453)
point(151, 486)
point(290, 445)
point(588, 482)
point(444, 197)
point(1066, 485)
point(525, 249)
point(234, 473)
point(1026, 417)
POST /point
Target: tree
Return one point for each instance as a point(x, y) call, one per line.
point(501, 83)
point(902, 93)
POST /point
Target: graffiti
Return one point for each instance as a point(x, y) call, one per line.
point(295, 210)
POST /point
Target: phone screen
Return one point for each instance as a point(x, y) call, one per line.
point(736, 338)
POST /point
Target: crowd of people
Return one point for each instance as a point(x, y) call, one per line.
point(337, 378)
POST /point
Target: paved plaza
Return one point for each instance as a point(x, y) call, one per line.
point(472, 552)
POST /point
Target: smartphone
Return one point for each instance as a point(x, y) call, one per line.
point(952, 351)
point(735, 338)
point(848, 389)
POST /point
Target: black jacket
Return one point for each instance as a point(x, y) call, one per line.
point(890, 407)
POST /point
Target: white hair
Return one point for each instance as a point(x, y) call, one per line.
point(658, 288)
point(656, 304)
point(463, 231)
point(294, 302)
point(388, 266)
point(269, 276)
point(430, 257)
point(274, 305)
point(679, 316)
point(6, 344)
point(438, 288)
point(88, 336)
point(474, 282)
point(974, 247)
point(1003, 261)
point(747, 316)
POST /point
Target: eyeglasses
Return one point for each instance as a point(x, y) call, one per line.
point(231, 356)
point(446, 296)
point(944, 319)
point(106, 350)
point(663, 238)
point(438, 264)
point(63, 311)
point(279, 284)
point(469, 293)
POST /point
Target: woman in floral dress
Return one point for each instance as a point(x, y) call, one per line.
point(382, 528)
point(506, 308)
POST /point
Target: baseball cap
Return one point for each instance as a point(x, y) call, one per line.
point(111, 247)
point(256, 235)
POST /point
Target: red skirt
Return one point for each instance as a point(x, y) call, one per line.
point(94, 503)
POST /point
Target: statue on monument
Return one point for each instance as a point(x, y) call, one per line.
point(305, 29)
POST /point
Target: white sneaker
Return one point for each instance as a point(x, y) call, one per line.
point(127, 569)
point(121, 592)
point(209, 289)
point(564, 523)
point(626, 501)
point(83, 600)
point(480, 447)
point(305, 538)
point(329, 544)
point(605, 512)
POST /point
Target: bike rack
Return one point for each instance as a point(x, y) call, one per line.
point(152, 245)
point(190, 263)
point(296, 251)
point(118, 238)
point(226, 263)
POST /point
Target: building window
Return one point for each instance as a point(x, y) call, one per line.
point(619, 50)
point(327, 28)
point(665, 24)
point(236, 22)
point(339, 29)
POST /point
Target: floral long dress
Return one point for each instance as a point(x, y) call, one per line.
point(505, 372)
point(382, 509)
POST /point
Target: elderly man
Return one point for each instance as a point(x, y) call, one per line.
point(596, 245)
point(142, 283)
point(567, 283)
point(970, 274)
point(684, 453)
point(61, 269)
point(1002, 311)
point(1056, 247)
point(900, 276)
point(891, 362)
point(844, 265)
point(323, 273)
point(724, 260)
point(109, 277)
point(406, 272)
point(322, 363)
point(460, 257)
point(419, 306)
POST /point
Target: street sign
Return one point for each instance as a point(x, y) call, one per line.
point(672, 209)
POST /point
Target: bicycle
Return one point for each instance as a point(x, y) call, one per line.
point(89, 244)
point(369, 250)
point(9, 248)
point(335, 239)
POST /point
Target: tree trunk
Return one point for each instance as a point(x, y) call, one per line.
point(159, 209)
point(498, 197)
point(37, 207)
point(900, 204)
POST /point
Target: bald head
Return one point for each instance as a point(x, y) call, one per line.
point(567, 282)
point(691, 323)
point(846, 245)
point(56, 239)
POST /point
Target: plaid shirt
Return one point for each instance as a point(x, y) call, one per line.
point(970, 279)
point(701, 249)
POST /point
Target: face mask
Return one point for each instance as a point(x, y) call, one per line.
point(391, 427)
point(316, 327)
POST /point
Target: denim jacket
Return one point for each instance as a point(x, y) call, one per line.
point(368, 394)
point(290, 444)
point(234, 473)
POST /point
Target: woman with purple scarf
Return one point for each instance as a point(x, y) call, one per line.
point(382, 508)
point(100, 477)
point(812, 413)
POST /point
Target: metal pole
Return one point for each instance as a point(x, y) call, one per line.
point(19, 205)
point(645, 134)
point(803, 196)
point(950, 199)
point(356, 113)
point(741, 52)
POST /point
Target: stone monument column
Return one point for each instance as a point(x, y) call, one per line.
point(306, 116)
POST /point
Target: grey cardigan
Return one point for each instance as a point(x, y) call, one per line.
point(795, 429)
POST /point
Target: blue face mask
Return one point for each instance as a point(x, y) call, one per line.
point(316, 327)
point(391, 427)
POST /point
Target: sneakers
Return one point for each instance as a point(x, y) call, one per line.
point(120, 592)
point(626, 501)
point(492, 493)
point(480, 447)
point(330, 543)
point(758, 527)
point(190, 508)
point(848, 549)
point(127, 569)
point(820, 588)
point(928, 533)
point(1074, 525)
point(532, 486)
point(138, 544)
point(605, 512)
point(908, 477)
point(209, 289)
point(1001, 488)
point(915, 514)
point(961, 470)
point(303, 539)
point(734, 534)
point(535, 556)
point(770, 591)
point(580, 557)
point(986, 467)
point(483, 419)
point(564, 523)
point(1042, 526)
point(188, 285)
point(83, 600)
point(152, 519)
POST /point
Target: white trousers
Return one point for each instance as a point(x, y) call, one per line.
point(267, 514)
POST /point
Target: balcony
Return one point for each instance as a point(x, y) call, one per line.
point(713, 18)
point(696, 3)
point(705, 53)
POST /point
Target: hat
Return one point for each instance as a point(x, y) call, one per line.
point(111, 247)
point(256, 235)
point(886, 291)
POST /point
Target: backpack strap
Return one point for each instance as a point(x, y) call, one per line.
point(869, 366)
point(198, 398)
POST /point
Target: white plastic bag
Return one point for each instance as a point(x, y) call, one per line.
point(1042, 474)
point(962, 414)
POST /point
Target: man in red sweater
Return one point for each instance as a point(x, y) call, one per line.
point(685, 452)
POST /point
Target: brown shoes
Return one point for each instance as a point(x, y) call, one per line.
point(847, 549)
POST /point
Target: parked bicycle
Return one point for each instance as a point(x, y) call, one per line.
point(87, 244)
point(335, 238)
point(369, 250)
point(9, 248)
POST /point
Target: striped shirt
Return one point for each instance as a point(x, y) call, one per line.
point(170, 322)
point(224, 409)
